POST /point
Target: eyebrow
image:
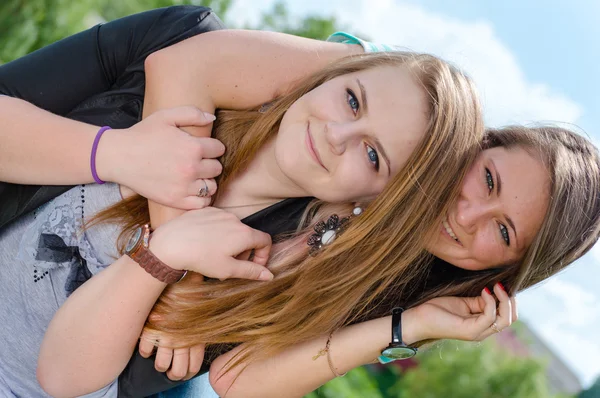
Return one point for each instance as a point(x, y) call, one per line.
point(363, 97)
point(508, 219)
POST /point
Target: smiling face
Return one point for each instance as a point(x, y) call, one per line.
point(346, 139)
point(499, 211)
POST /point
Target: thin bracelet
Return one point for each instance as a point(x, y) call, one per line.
point(93, 156)
point(327, 350)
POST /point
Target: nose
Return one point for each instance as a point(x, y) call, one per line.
point(472, 212)
point(338, 135)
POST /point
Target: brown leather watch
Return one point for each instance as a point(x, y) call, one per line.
point(137, 249)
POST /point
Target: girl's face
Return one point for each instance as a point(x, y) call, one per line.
point(344, 140)
point(500, 209)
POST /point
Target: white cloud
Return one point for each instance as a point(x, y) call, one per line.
point(507, 94)
point(595, 252)
point(567, 318)
point(561, 312)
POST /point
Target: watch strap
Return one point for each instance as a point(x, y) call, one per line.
point(155, 267)
point(397, 325)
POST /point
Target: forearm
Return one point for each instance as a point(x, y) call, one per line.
point(294, 370)
point(93, 334)
point(38, 147)
point(235, 69)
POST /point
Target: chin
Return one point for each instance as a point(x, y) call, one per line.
point(469, 266)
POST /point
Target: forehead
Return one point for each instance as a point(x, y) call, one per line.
point(525, 188)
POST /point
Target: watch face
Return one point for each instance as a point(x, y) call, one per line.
point(400, 352)
point(137, 235)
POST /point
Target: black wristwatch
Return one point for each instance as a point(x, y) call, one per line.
point(397, 349)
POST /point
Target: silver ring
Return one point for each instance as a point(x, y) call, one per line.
point(203, 192)
point(494, 327)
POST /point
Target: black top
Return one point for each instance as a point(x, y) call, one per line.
point(97, 76)
point(139, 378)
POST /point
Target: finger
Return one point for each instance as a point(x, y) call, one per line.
point(261, 244)
point(164, 356)
point(185, 116)
point(209, 168)
point(193, 203)
point(196, 359)
point(211, 147)
point(179, 364)
point(488, 316)
point(245, 256)
point(476, 304)
point(247, 270)
point(203, 188)
point(504, 318)
point(146, 347)
point(513, 300)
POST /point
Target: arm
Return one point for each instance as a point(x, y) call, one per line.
point(231, 69)
point(109, 311)
point(359, 344)
point(60, 77)
point(92, 336)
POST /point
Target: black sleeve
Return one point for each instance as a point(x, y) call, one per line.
point(62, 75)
point(106, 58)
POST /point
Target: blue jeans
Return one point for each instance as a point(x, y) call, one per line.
point(198, 387)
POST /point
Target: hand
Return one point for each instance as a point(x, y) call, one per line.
point(160, 161)
point(466, 318)
point(207, 241)
point(179, 363)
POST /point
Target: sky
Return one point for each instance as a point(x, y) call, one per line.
point(532, 61)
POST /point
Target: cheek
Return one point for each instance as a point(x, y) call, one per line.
point(356, 177)
point(486, 249)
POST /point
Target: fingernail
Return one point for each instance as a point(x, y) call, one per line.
point(501, 286)
point(265, 276)
point(488, 291)
point(209, 116)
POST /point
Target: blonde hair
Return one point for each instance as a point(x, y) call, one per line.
point(313, 295)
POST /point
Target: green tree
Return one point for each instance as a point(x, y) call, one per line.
point(451, 369)
point(28, 25)
point(465, 370)
point(592, 392)
point(312, 26)
point(358, 383)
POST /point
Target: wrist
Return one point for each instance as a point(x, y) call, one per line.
point(411, 332)
point(161, 251)
point(107, 160)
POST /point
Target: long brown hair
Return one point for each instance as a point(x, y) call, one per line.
point(311, 295)
point(571, 224)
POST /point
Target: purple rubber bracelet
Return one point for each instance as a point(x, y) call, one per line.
point(94, 150)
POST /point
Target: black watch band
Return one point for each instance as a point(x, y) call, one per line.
point(397, 348)
point(397, 325)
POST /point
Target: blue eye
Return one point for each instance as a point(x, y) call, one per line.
point(504, 234)
point(489, 180)
point(373, 157)
point(352, 101)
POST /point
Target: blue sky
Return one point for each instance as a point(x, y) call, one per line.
point(532, 61)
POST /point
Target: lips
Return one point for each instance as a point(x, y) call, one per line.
point(448, 231)
point(311, 147)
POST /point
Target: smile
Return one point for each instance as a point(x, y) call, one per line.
point(448, 229)
point(312, 151)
